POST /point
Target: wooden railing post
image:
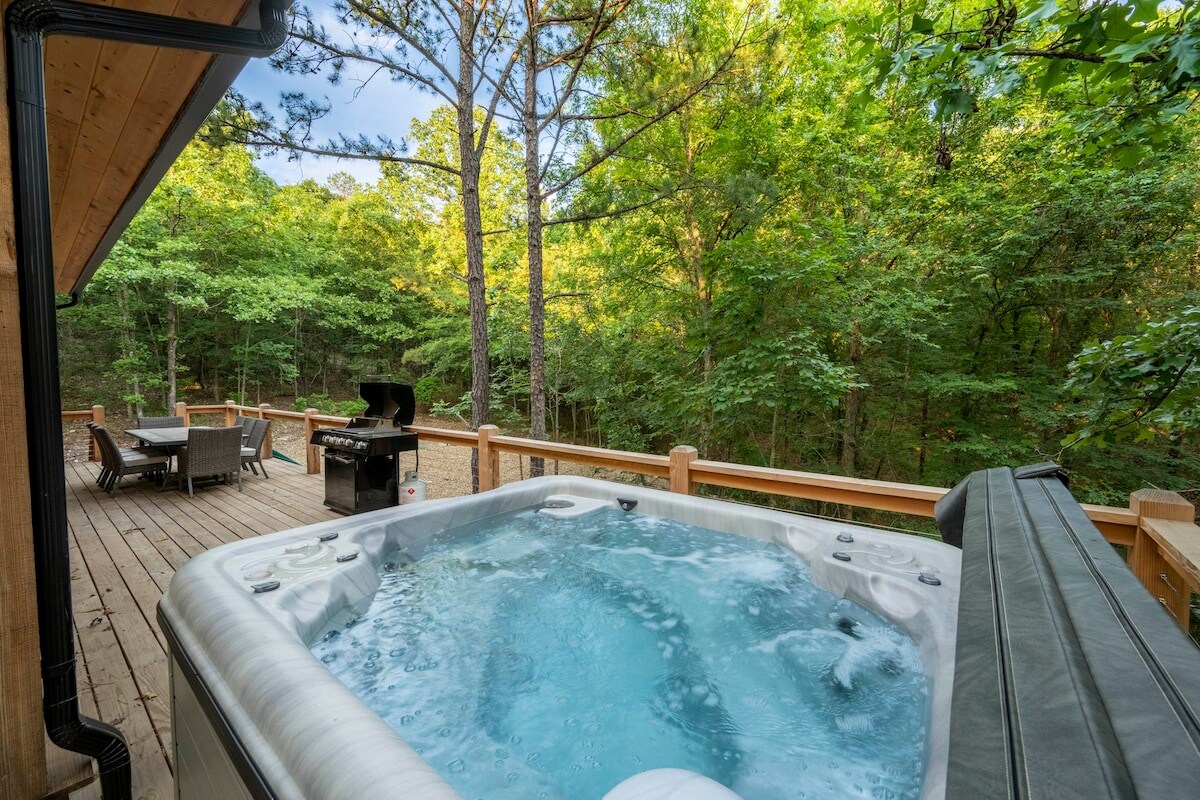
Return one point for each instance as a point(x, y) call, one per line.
point(681, 465)
point(181, 410)
point(1145, 558)
point(268, 443)
point(98, 418)
point(312, 452)
point(489, 459)
point(230, 414)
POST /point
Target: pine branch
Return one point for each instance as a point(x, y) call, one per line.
point(257, 137)
point(405, 34)
point(663, 113)
point(600, 24)
point(485, 128)
point(592, 216)
point(366, 58)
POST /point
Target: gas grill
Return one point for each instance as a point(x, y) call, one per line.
point(362, 465)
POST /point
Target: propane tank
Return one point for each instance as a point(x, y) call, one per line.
point(413, 489)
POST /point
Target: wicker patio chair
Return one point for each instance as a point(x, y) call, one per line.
point(110, 453)
point(160, 422)
point(211, 452)
point(102, 478)
point(117, 462)
point(252, 448)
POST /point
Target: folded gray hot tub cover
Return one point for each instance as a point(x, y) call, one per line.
point(1071, 680)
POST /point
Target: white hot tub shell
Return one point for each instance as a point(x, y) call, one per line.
point(255, 714)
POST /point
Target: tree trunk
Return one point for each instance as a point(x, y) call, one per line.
point(852, 407)
point(127, 344)
point(533, 209)
point(924, 449)
point(692, 251)
point(296, 350)
point(172, 322)
point(473, 227)
point(172, 349)
point(774, 435)
point(241, 379)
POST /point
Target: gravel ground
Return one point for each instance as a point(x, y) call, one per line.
point(446, 468)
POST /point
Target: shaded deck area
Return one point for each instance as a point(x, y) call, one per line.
point(124, 550)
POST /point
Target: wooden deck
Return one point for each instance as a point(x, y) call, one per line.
point(124, 550)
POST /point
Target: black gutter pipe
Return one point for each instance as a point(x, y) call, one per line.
point(28, 23)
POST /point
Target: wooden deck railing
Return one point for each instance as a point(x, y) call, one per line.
point(1157, 529)
point(93, 414)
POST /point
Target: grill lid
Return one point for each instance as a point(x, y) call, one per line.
point(391, 401)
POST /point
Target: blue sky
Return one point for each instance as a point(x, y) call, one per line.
point(381, 107)
point(378, 106)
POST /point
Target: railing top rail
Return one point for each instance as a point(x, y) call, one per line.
point(278, 413)
point(269, 413)
point(1111, 514)
point(1179, 541)
point(860, 485)
point(464, 438)
point(327, 419)
point(658, 466)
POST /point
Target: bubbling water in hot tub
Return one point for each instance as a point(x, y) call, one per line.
point(527, 656)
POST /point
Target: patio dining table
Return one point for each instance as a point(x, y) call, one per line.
point(166, 438)
point(169, 439)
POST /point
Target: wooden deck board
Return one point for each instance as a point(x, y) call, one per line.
point(112, 678)
point(124, 550)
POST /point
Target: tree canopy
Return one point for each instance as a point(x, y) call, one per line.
point(893, 240)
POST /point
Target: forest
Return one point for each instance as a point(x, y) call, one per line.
point(893, 240)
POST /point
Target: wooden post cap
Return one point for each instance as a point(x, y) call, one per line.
point(682, 457)
point(1161, 504)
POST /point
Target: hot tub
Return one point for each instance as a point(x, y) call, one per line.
point(256, 714)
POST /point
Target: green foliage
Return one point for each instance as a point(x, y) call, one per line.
point(1140, 385)
point(429, 390)
point(903, 261)
point(275, 289)
point(327, 405)
point(1123, 71)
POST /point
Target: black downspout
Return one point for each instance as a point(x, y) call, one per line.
point(28, 22)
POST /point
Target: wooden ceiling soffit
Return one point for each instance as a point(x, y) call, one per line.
point(117, 117)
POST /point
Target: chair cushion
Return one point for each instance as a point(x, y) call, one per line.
point(249, 452)
point(142, 459)
point(151, 451)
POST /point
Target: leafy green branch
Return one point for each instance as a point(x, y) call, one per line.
point(1139, 62)
point(1141, 385)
